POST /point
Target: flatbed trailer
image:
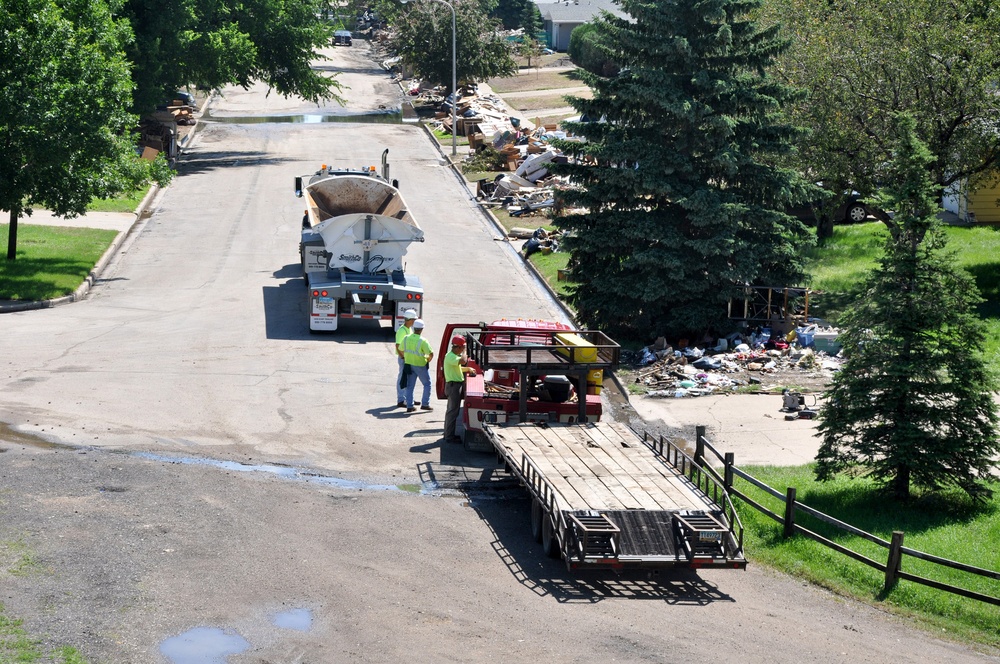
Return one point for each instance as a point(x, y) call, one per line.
point(605, 498)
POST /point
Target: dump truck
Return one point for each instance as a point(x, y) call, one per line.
point(355, 232)
point(603, 496)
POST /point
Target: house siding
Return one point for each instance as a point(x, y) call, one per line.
point(983, 203)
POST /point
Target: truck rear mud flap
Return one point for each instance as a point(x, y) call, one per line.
point(626, 539)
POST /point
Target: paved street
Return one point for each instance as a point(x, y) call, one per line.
point(178, 453)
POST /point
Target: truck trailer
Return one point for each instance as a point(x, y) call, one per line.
point(602, 495)
point(355, 233)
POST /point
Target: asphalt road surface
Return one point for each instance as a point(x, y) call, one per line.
point(186, 475)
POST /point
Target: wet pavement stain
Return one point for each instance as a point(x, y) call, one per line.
point(203, 645)
point(285, 472)
point(297, 619)
point(388, 117)
point(9, 435)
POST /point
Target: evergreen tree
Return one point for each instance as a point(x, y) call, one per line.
point(913, 403)
point(682, 205)
point(532, 22)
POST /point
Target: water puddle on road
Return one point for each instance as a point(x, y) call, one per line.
point(286, 472)
point(297, 619)
point(388, 117)
point(203, 645)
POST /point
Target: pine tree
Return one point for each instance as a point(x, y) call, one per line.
point(681, 202)
point(913, 403)
point(532, 22)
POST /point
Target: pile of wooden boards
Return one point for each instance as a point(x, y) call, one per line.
point(183, 114)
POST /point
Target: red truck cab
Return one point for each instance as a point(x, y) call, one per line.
point(494, 394)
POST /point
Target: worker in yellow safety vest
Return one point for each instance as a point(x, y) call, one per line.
point(417, 355)
point(409, 316)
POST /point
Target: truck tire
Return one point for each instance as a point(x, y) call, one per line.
point(550, 545)
point(536, 520)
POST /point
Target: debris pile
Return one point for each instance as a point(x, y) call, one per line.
point(729, 363)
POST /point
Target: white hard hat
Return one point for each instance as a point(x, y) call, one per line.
point(410, 314)
point(418, 324)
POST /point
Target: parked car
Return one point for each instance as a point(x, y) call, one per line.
point(853, 210)
point(187, 98)
point(343, 37)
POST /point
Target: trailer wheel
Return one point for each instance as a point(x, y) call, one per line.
point(536, 520)
point(550, 545)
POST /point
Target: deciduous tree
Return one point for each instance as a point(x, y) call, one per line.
point(913, 404)
point(423, 36)
point(210, 44)
point(681, 206)
point(65, 133)
point(864, 61)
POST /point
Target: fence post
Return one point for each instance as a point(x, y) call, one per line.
point(895, 556)
point(727, 479)
point(789, 512)
point(699, 445)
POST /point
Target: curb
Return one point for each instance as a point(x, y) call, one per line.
point(11, 306)
point(569, 313)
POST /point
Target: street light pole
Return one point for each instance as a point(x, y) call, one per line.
point(454, 77)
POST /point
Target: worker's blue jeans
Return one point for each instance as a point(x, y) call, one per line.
point(411, 382)
point(400, 391)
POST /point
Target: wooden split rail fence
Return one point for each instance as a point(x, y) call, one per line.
point(892, 568)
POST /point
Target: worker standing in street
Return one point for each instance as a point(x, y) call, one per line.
point(404, 330)
point(417, 354)
point(454, 385)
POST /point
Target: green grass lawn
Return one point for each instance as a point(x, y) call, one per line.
point(838, 266)
point(444, 138)
point(125, 203)
point(949, 526)
point(531, 79)
point(51, 261)
point(528, 104)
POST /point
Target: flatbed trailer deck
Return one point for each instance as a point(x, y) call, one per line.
point(605, 498)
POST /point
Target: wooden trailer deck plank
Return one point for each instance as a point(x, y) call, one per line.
point(604, 467)
point(598, 477)
point(587, 450)
point(563, 478)
point(637, 477)
point(678, 491)
point(665, 483)
point(602, 497)
point(683, 489)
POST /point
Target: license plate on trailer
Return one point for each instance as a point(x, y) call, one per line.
point(710, 536)
point(324, 303)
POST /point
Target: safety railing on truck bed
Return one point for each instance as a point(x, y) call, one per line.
point(554, 350)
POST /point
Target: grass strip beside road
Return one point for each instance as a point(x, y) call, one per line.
point(51, 261)
point(127, 203)
point(944, 524)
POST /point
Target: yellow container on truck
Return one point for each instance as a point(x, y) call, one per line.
point(582, 352)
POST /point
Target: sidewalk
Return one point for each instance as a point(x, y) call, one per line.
point(751, 426)
point(113, 221)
